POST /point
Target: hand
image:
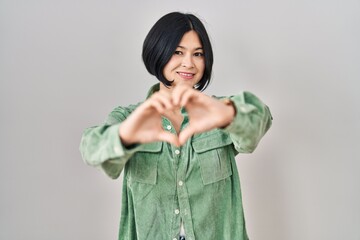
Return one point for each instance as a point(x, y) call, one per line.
point(144, 125)
point(205, 113)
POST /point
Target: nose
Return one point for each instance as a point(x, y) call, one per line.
point(187, 61)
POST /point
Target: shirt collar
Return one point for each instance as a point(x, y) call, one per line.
point(152, 90)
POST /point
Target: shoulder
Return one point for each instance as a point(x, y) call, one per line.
point(120, 113)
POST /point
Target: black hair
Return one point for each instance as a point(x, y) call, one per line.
point(163, 39)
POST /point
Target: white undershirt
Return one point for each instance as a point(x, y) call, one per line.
point(182, 230)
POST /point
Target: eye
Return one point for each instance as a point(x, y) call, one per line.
point(178, 53)
point(198, 54)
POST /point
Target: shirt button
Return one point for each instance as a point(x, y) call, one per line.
point(177, 211)
point(168, 127)
point(177, 151)
point(181, 183)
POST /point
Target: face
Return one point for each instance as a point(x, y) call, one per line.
point(187, 65)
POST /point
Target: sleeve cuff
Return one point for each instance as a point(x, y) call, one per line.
point(241, 109)
point(117, 149)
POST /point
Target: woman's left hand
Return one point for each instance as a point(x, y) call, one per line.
point(205, 113)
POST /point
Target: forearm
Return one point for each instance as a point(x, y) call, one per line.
point(251, 122)
point(101, 146)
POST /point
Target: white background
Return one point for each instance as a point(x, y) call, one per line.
point(64, 65)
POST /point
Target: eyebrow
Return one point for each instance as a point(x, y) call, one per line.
point(198, 48)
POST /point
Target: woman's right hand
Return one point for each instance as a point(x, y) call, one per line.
point(144, 125)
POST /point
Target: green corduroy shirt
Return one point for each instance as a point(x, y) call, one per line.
point(197, 183)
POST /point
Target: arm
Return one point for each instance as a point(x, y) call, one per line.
point(246, 120)
point(111, 145)
point(102, 147)
point(251, 122)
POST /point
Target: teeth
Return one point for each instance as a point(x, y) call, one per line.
point(186, 74)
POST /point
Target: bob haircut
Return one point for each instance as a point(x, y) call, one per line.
point(163, 39)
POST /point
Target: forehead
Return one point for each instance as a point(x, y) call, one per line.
point(190, 40)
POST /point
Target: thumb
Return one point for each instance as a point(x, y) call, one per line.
point(169, 137)
point(186, 134)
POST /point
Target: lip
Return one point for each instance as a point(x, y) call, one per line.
point(186, 75)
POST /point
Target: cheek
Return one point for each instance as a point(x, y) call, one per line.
point(169, 67)
point(167, 70)
point(201, 66)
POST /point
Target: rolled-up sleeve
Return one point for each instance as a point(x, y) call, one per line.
point(101, 146)
point(252, 120)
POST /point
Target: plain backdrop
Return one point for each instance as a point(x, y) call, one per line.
point(64, 65)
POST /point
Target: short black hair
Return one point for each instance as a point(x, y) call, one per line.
point(163, 39)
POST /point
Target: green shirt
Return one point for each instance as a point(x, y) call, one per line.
point(197, 183)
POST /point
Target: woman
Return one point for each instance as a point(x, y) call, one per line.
point(177, 148)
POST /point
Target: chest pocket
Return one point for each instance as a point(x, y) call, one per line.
point(144, 163)
point(213, 151)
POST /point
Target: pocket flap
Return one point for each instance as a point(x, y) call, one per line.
point(151, 147)
point(210, 140)
point(144, 164)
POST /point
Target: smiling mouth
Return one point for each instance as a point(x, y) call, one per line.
point(186, 75)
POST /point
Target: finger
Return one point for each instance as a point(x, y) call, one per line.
point(178, 92)
point(157, 105)
point(165, 100)
point(188, 96)
point(186, 134)
point(169, 137)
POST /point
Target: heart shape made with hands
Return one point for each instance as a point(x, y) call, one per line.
point(144, 125)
